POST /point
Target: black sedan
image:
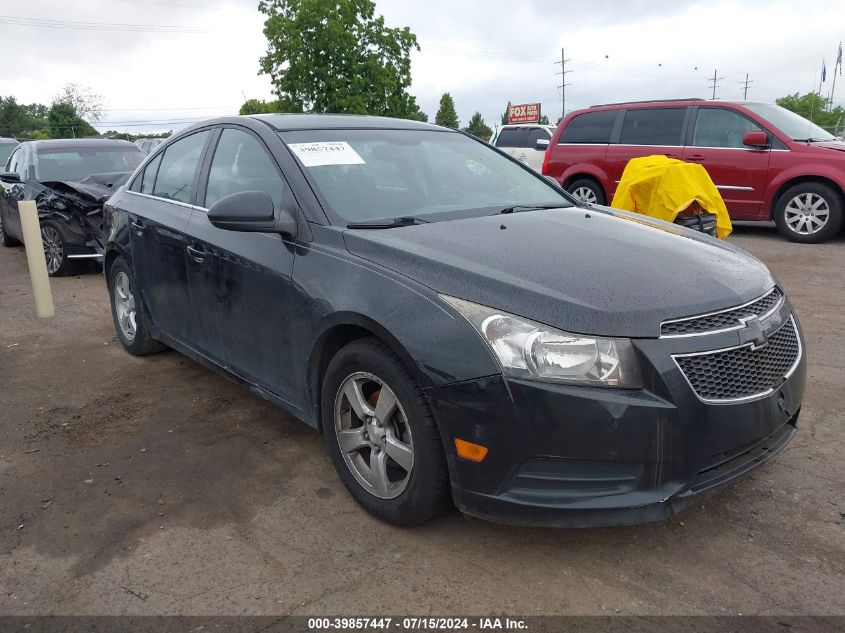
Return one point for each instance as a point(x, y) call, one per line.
point(69, 180)
point(456, 326)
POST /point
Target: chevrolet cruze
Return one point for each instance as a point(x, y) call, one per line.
point(455, 325)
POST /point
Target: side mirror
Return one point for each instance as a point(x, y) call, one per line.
point(10, 176)
point(756, 139)
point(542, 144)
point(250, 211)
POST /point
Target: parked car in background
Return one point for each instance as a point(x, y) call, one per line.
point(454, 325)
point(525, 141)
point(69, 180)
point(6, 147)
point(148, 144)
point(767, 162)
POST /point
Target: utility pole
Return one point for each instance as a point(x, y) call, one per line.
point(713, 81)
point(745, 88)
point(563, 73)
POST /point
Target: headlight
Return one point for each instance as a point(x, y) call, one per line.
point(526, 349)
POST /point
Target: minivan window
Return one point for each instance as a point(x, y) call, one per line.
point(718, 127)
point(175, 180)
point(365, 175)
point(511, 137)
point(240, 163)
point(653, 126)
point(590, 127)
point(793, 125)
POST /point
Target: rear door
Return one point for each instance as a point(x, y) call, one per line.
point(738, 171)
point(646, 131)
point(159, 215)
point(12, 192)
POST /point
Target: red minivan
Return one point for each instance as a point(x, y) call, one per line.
point(768, 162)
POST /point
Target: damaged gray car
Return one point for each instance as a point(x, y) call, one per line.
point(69, 180)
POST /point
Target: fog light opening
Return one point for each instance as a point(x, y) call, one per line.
point(470, 451)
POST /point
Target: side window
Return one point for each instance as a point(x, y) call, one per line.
point(241, 163)
point(590, 127)
point(718, 127)
point(148, 178)
point(14, 159)
point(178, 167)
point(653, 126)
point(535, 134)
point(511, 137)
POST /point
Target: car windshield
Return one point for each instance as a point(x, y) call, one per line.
point(793, 125)
point(6, 151)
point(75, 163)
point(367, 175)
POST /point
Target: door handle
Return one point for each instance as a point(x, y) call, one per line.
point(138, 225)
point(695, 157)
point(197, 254)
point(675, 156)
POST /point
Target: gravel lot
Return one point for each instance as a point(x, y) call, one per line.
point(153, 486)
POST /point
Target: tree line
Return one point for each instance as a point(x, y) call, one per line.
point(67, 116)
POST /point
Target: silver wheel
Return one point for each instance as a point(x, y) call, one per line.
point(373, 435)
point(806, 213)
point(124, 305)
point(586, 194)
point(53, 249)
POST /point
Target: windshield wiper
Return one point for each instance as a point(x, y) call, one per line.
point(811, 139)
point(385, 224)
point(532, 207)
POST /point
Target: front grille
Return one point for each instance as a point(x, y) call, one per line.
point(743, 372)
point(724, 320)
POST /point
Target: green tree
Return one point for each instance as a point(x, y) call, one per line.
point(477, 127)
point(446, 114)
point(812, 106)
point(337, 56)
point(86, 104)
point(64, 122)
point(258, 106)
point(544, 120)
point(21, 121)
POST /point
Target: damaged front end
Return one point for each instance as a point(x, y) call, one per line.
point(79, 207)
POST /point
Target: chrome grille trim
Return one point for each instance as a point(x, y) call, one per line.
point(790, 322)
point(742, 316)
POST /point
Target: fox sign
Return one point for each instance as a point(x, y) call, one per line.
point(524, 113)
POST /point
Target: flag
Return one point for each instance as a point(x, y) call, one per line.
point(824, 72)
point(839, 59)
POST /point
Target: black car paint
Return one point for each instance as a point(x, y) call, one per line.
point(269, 310)
point(76, 205)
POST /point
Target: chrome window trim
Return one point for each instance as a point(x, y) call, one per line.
point(790, 321)
point(739, 326)
point(176, 202)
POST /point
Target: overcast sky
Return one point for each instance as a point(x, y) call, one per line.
point(199, 58)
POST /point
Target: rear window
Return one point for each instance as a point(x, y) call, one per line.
point(653, 126)
point(590, 127)
point(76, 163)
point(511, 137)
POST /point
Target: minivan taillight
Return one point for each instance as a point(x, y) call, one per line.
point(546, 159)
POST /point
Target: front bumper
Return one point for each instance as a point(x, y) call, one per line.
point(580, 456)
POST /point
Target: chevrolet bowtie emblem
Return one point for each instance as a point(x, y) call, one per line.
point(753, 333)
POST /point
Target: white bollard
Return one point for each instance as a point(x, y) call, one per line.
point(35, 258)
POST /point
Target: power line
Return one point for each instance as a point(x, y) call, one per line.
point(95, 26)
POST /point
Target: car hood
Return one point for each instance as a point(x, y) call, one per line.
point(836, 145)
point(596, 271)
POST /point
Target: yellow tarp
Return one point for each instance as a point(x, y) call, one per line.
point(662, 187)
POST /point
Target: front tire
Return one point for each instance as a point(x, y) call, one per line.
point(809, 212)
point(54, 242)
point(381, 435)
point(130, 319)
point(587, 190)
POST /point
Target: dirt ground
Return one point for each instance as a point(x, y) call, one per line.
point(153, 486)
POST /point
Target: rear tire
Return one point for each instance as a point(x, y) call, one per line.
point(809, 212)
point(392, 460)
point(130, 319)
point(587, 190)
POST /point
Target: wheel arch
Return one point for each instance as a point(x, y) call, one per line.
point(341, 330)
point(584, 175)
point(797, 180)
point(111, 254)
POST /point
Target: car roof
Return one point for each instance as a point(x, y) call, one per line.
point(70, 143)
point(8, 141)
point(670, 102)
point(290, 122)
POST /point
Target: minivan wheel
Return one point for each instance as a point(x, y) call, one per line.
point(381, 435)
point(127, 309)
point(809, 212)
point(587, 190)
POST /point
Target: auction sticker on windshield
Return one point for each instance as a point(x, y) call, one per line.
point(326, 153)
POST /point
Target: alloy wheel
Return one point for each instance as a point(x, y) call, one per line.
point(53, 248)
point(124, 305)
point(373, 435)
point(586, 194)
point(807, 213)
